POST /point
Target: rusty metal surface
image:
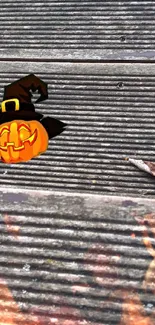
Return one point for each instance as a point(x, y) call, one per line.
point(71, 29)
point(69, 258)
point(109, 109)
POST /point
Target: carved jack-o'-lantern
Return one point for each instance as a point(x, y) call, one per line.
point(24, 133)
point(21, 141)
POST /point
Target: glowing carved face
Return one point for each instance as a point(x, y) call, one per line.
point(22, 140)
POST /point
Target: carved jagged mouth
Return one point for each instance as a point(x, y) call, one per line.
point(29, 140)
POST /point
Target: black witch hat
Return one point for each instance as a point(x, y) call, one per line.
point(20, 92)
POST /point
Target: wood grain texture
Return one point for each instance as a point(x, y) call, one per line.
point(75, 258)
point(109, 109)
point(91, 30)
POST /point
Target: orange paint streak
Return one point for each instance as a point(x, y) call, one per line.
point(12, 229)
point(10, 312)
point(133, 312)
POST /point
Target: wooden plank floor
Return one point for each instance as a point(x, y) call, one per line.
point(76, 258)
point(70, 258)
point(109, 109)
point(71, 29)
point(77, 223)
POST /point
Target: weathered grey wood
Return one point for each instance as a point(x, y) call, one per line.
point(109, 109)
point(63, 240)
point(82, 55)
point(106, 30)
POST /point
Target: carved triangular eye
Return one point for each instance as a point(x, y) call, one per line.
point(24, 127)
point(5, 129)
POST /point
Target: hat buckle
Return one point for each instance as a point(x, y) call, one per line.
point(15, 100)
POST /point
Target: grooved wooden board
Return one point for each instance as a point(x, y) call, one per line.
point(76, 247)
point(98, 30)
point(75, 258)
point(110, 112)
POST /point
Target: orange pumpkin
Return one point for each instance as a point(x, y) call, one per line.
point(21, 140)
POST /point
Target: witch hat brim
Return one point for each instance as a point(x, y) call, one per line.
point(53, 126)
point(20, 115)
